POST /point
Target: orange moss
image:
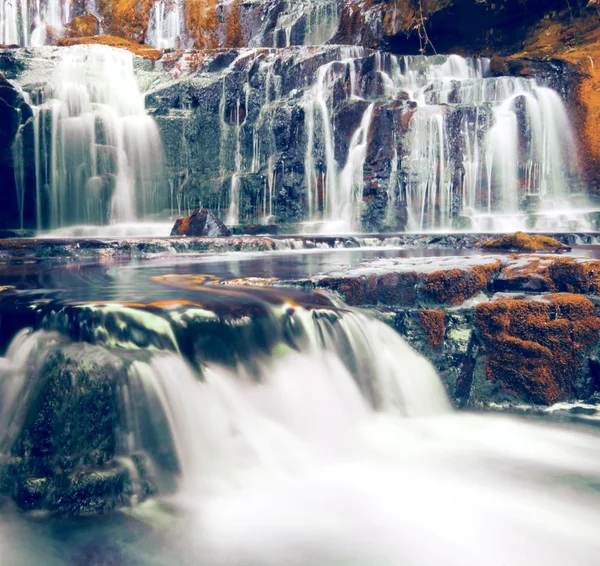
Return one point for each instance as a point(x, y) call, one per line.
point(202, 23)
point(126, 18)
point(83, 26)
point(455, 286)
point(433, 323)
point(135, 48)
point(519, 241)
point(568, 274)
point(535, 349)
point(233, 29)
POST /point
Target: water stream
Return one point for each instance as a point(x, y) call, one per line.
point(282, 428)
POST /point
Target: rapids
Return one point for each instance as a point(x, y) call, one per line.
point(313, 435)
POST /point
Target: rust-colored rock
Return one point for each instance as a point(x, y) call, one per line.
point(202, 222)
point(433, 323)
point(536, 349)
point(550, 273)
point(83, 26)
point(137, 49)
point(521, 242)
point(455, 286)
point(126, 18)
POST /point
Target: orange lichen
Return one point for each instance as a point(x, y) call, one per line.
point(433, 323)
point(82, 26)
point(233, 28)
point(454, 286)
point(126, 18)
point(535, 348)
point(519, 241)
point(135, 48)
point(573, 276)
point(202, 23)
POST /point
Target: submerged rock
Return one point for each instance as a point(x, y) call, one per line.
point(202, 222)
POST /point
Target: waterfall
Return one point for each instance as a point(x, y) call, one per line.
point(166, 24)
point(99, 156)
point(331, 443)
point(476, 146)
point(343, 361)
point(24, 22)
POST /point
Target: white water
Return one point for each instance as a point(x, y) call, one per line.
point(166, 24)
point(99, 156)
point(295, 466)
point(299, 469)
point(25, 22)
point(476, 146)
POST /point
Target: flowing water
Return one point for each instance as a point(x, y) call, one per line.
point(476, 146)
point(98, 155)
point(466, 150)
point(303, 432)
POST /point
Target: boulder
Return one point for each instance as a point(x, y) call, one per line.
point(521, 242)
point(202, 222)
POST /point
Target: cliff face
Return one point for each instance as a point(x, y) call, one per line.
point(269, 129)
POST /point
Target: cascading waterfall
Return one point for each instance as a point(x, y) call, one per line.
point(477, 146)
point(24, 22)
point(98, 155)
point(166, 24)
point(302, 452)
point(341, 186)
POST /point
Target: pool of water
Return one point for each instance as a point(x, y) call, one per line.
point(131, 280)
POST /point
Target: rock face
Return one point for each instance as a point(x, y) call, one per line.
point(499, 329)
point(202, 222)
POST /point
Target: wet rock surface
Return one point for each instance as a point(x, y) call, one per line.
point(202, 222)
point(64, 452)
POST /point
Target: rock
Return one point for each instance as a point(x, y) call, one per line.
point(537, 350)
point(10, 114)
point(83, 26)
point(410, 282)
point(201, 222)
point(521, 242)
point(550, 273)
point(66, 451)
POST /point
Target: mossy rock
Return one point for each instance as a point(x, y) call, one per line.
point(521, 242)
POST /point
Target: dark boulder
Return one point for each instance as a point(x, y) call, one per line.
point(202, 222)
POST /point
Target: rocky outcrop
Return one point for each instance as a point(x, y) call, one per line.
point(499, 329)
point(539, 350)
point(410, 282)
point(202, 222)
point(64, 452)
